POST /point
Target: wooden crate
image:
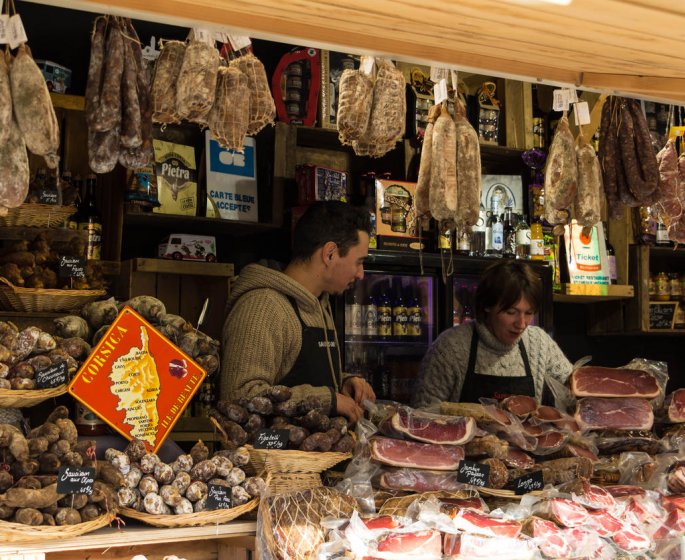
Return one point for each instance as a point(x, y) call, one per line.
point(182, 286)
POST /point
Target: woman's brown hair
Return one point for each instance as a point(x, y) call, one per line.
point(503, 284)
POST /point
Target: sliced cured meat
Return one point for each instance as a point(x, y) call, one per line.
point(433, 428)
point(574, 450)
point(474, 410)
point(565, 470)
point(589, 495)
point(413, 480)
point(645, 509)
point(549, 442)
point(676, 406)
point(421, 544)
point(479, 523)
point(548, 414)
point(382, 522)
point(562, 511)
point(669, 503)
point(673, 525)
point(603, 522)
point(587, 544)
point(625, 491)
point(631, 539)
point(520, 405)
point(452, 506)
point(595, 381)
point(476, 547)
point(533, 429)
point(567, 425)
point(515, 458)
point(552, 541)
point(594, 413)
point(676, 478)
point(401, 453)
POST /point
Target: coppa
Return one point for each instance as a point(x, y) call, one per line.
point(105, 350)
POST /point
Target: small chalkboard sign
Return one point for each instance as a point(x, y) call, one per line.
point(48, 196)
point(52, 376)
point(661, 315)
point(75, 480)
point(72, 267)
point(219, 497)
point(271, 439)
point(473, 473)
point(527, 483)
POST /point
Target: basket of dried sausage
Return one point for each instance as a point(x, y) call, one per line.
point(198, 519)
point(11, 532)
point(30, 300)
point(24, 398)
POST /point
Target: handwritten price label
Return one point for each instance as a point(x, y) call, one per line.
point(75, 480)
point(473, 473)
point(271, 439)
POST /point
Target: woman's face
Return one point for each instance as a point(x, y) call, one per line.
point(508, 324)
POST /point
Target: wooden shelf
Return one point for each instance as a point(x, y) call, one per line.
point(170, 266)
point(133, 535)
point(593, 293)
point(193, 224)
point(66, 101)
point(15, 233)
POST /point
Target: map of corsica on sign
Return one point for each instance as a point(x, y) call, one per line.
point(137, 380)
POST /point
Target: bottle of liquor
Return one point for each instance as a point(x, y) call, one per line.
point(89, 220)
point(662, 234)
point(496, 228)
point(370, 327)
point(478, 237)
point(611, 257)
point(414, 314)
point(356, 316)
point(509, 233)
point(444, 237)
point(537, 242)
point(400, 318)
point(384, 316)
point(539, 126)
point(522, 238)
point(463, 243)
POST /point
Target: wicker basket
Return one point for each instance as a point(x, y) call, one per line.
point(191, 519)
point(30, 300)
point(18, 532)
point(37, 215)
point(282, 483)
point(294, 461)
point(20, 398)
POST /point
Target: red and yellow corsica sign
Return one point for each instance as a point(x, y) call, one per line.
point(137, 380)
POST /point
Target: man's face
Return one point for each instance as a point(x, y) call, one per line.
point(345, 271)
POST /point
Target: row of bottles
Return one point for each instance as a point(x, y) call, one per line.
point(392, 377)
point(388, 311)
point(87, 218)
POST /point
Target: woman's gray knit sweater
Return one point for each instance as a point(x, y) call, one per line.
point(444, 367)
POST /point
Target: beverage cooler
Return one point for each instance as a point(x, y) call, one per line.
point(388, 320)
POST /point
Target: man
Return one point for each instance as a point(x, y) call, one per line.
point(280, 330)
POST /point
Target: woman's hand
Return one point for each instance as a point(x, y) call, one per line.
point(358, 389)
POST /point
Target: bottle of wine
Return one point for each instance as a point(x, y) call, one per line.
point(89, 220)
point(509, 234)
point(611, 257)
point(522, 238)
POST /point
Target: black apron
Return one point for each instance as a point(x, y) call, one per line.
point(312, 366)
point(477, 385)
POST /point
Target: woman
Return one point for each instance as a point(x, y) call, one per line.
point(499, 354)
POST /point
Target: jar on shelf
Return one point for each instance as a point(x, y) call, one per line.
point(676, 286)
point(652, 287)
point(663, 287)
point(679, 320)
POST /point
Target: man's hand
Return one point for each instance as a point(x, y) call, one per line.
point(348, 408)
point(359, 390)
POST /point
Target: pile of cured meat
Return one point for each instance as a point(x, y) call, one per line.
point(27, 121)
point(190, 82)
point(448, 186)
point(372, 111)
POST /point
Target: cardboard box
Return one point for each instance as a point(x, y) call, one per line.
point(315, 182)
point(232, 180)
point(396, 223)
point(176, 173)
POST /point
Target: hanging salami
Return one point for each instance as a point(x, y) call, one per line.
point(196, 85)
point(262, 106)
point(423, 181)
point(354, 105)
point(108, 113)
point(5, 99)
point(561, 175)
point(14, 169)
point(163, 92)
point(588, 205)
point(468, 169)
point(229, 118)
point(443, 177)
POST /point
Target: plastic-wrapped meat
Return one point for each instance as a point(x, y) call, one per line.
point(549, 442)
point(386, 522)
point(675, 403)
point(547, 414)
point(603, 522)
point(433, 428)
point(498, 476)
point(475, 547)
point(400, 453)
point(676, 478)
point(672, 526)
point(421, 544)
point(452, 506)
point(585, 543)
point(520, 405)
point(589, 495)
point(518, 459)
point(625, 491)
point(574, 450)
point(414, 480)
point(669, 503)
point(552, 541)
point(479, 523)
point(562, 511)
point(558, 471)
point(594, 413)
point(646, 509)
point(561, 174)
point(595, 381)
point(611, 442)
point(668, 205)
point(631, 539)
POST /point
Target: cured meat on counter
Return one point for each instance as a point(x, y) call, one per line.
point(401, 453)
point(562, 511)
point(433, 428)
point(475, 547)
point(552, 541)
point(595, 381)
point(421, 544)
point(676, 406)
point(479, 523)
point(520, 405)
point(604, 523)
point(589, 495)
point(594, 413)
point(414, 480)
point(631, 539)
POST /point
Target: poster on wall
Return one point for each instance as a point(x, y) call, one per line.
point(502, 190)
point(232, 180)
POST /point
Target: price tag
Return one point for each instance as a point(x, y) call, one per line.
point(239, 42)
point(561, 100)
point(202, 35)
point(527, 483)
point(53, 376)
point(572, 95)
point(221, 37)
point(16, 34)
point(219, 497)
point(581, 113)
point(4, 24)
point(661, 315)
point(473, 473)
point(366, 65)
point(48, 196)
point(440, 91)
point(75, 480)
point(271, 439)
point(72, 267)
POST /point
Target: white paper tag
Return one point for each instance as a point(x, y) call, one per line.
point(239, 42)
point(202, 35)
point(366, 65)
point(440, 91)
point(221, 37)
point(149, 51)
point(572, 95)
point(455, 79)
point(438, 73)
point(4, 23)
point(561, 100)
point(16, 35)
point(581, 113)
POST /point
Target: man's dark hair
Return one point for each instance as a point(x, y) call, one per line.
point(326, 221)
point(503, 284)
